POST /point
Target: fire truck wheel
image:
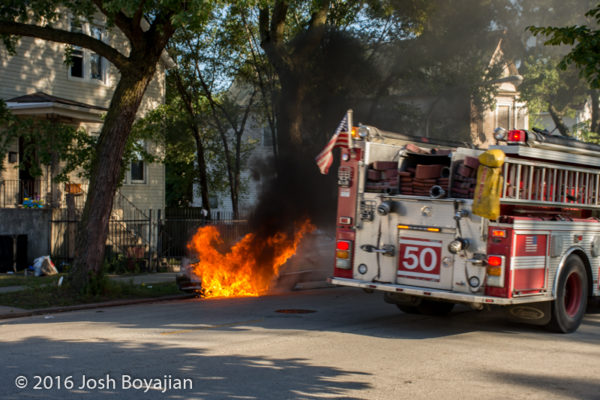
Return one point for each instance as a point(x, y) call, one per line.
point(429, 307)
point(571, 297)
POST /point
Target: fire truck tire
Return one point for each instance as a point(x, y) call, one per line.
point(430, 307)
point(571, 297)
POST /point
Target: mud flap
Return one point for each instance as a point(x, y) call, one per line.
point(531, 313)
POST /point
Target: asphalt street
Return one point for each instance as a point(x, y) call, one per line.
point(315, 344)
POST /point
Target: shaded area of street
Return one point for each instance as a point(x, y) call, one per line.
point(352, 345)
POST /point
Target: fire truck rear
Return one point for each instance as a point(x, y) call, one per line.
point(408, 224)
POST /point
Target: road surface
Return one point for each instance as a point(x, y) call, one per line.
point(319, 344)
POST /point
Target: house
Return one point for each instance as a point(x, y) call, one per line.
point(37, 83)
point(509, 112)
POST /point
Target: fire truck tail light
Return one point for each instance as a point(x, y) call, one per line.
point(495, 271)
point(494, 261)
point(343, 254)
point(498, 233)
point(343, 245)
point(517, 136)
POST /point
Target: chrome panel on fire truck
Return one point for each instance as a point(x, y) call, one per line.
point(545, 154)
point(436, 293)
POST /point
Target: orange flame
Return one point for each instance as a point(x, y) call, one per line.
point(250, 265)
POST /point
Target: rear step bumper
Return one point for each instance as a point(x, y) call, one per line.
point(436, 293)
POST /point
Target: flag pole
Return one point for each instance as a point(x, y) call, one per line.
point(349, 114)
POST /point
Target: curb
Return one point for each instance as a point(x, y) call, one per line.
point(89, 306)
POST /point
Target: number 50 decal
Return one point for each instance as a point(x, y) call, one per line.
point(419, 258)
point(425, 258)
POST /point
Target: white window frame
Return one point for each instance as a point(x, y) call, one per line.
point(87, 29)
point(521, 108)
point(144, 168)
point(511, 116)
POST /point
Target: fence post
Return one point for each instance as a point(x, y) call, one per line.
point(158, 235)
point(150, 241)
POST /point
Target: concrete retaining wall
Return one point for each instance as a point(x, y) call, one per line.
point(35, 223)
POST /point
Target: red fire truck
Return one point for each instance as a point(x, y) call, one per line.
point(407, 224)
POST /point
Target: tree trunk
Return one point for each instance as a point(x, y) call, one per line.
point(187, 100)
point(202, 170)
point(558, 121)
point(289, 123)
point(595, 127)
point(105, 177)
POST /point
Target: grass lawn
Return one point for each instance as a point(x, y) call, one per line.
point(20, 279)
point(47, 294)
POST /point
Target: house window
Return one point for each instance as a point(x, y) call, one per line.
point(77, 60)
point(96, 61)
point(76, 52)
point(521, 118)
point(267, 137)
point(85, 64)
point(503, 117)
point(137, 169)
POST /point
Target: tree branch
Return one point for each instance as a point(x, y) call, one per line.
point(278, 21)
point(272, 36)
point(122, 21)
point(160, 31)
point(138, 15)
point(263, 25)
point(62, 36)
point(557, 119)
point(315, 32)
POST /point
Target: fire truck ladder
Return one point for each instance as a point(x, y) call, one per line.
point(530, 182)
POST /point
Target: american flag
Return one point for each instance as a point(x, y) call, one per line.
point(531, 244)
point(341, 138)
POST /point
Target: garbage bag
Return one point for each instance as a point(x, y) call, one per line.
point(44, 266)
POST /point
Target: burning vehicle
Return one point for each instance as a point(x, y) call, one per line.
point(247, 269)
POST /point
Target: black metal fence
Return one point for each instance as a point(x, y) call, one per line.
point(12, 192)
point(133, 238)
point(144, 236)
point(180, 224)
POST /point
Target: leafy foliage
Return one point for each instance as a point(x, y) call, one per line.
point(585, 40)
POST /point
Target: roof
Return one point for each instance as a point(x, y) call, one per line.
point(40, 103)
point(41, 97)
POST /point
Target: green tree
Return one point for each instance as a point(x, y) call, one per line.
point(146, 27)
point(546, 87)
point(170, 126)
point(585, 40)
point(211, 80)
